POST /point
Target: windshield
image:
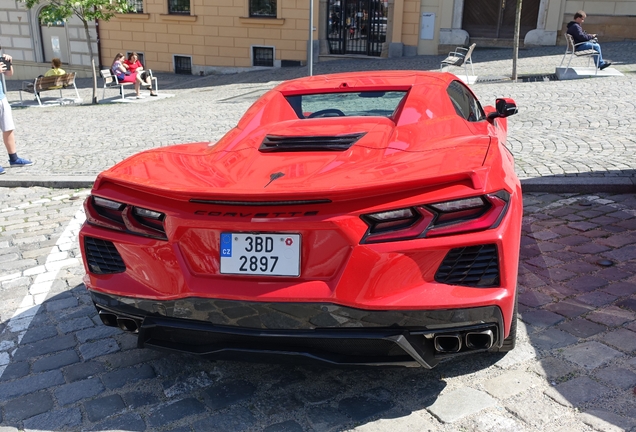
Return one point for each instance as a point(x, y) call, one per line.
point(369, 103)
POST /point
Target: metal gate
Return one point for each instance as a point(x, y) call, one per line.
point(496, 18)
point(357, 26)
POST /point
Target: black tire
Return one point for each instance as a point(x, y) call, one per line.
point(509, 342)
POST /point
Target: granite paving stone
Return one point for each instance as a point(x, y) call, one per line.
point(611, 316)
point(360, 408)
point(124, 376)
point(534, 409)
point(28, 406)
point(100, 408)
point(623, 339)
point(617, 377)
point(228, 393)
point(606, 421)
point(453, 406)
point(541, 318)
point(582, 328)
point(510, 383)
point(237, 419)
point(590, 355)
point(129, 422)
point(78, 390)
point(68, 418)
point(577, 391)
point(171, 412)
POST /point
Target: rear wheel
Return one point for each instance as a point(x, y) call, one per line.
point(509, 342)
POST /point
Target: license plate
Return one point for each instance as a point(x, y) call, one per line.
point(260, 254)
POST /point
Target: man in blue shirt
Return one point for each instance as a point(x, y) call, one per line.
point(587, 41)
point(6, 118)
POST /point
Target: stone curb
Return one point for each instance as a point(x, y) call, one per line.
point(539, 184)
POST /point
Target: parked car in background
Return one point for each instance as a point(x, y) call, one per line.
point(369, 218)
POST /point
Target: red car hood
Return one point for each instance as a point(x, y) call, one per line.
point(385, 159)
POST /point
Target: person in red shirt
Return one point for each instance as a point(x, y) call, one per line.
point(133, 64)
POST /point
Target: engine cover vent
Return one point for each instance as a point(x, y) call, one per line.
point(273, 143)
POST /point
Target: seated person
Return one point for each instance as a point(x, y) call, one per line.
point(133, 64)
point(55, 70)
point(124, 75)
point(587, 41)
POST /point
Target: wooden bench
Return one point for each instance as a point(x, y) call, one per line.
point(111, 81)
point(570, 50)
point(460, 57)
point(46, 83)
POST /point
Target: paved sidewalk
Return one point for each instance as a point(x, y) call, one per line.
point(569, 136)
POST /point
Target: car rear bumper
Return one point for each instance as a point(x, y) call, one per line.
point(319, 331)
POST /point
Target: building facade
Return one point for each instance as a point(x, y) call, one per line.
point(217, 36)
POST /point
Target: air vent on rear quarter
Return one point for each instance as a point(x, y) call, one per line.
point(273, 143)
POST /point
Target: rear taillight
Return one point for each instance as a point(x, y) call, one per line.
point(438, 219)
point(125, 217)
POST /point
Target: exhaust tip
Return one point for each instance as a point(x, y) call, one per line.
point(448, 343)
point(108, 319)
point(479, 340)
point(128, 325)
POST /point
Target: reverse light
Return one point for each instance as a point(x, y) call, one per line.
point(124, 217)
point(437, 219)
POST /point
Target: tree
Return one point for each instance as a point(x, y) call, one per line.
point(515, 43)
point(86, 11)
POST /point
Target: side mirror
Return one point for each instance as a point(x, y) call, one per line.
point(505, 107)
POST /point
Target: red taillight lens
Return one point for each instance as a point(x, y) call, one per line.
point(470, 218)
point(439, 219)
point(402, 224)
point(124, 217)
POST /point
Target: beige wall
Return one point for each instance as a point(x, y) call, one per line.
point(218, 34)
point(611, 20)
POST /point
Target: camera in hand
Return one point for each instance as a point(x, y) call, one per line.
point(7, 63)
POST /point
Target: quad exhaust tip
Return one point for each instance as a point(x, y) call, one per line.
point(478, 340)
point(448, 343)
point(471, 340)
point(127, 324)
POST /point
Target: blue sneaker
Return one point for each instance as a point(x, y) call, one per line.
point(2, 171)
point(20, 162)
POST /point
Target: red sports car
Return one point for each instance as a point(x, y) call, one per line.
point(361, 218)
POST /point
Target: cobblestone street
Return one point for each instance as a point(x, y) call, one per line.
point(574, 367)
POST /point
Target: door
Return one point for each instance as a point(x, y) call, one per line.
point(496, 18)
point(357, 27)
point(54, 41)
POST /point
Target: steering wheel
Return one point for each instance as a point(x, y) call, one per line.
point(327, 113)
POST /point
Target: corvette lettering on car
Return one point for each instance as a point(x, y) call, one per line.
point(368, 218)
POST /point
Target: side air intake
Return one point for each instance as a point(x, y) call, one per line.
point(273, 143)
point(102, 256)
point(474, 266)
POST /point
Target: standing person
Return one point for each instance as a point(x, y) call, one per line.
point(587, 41)
point(6, 118)
point(133, 64)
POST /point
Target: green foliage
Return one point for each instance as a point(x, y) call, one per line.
point(85, 10)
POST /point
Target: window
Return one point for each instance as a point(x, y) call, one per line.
point(183, 65)
point(136, 6)
point(263, 56)
point(367, 103)
point(263, 8)
point(179, 7)
point(466, 105)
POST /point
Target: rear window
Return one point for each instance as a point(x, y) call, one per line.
point(369, 103)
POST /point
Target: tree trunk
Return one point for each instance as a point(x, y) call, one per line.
point(515, 43)
point(90, 53)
